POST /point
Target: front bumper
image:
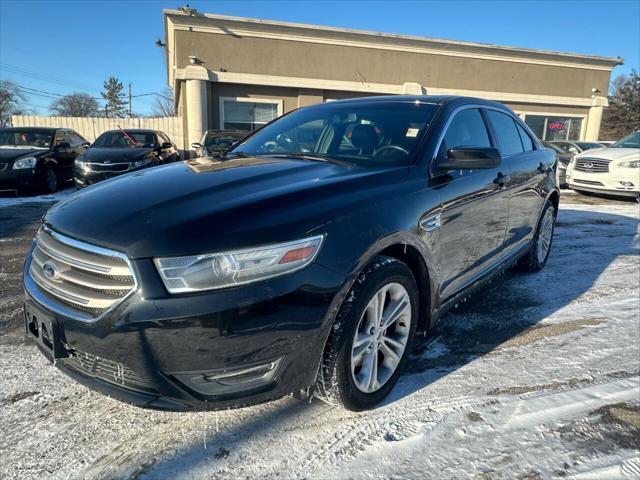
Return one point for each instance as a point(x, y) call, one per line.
point(623, 182)
point(20, 179)
point(83, 177)
point(182, 352)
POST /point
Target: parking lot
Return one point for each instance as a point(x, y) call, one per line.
point(536, 376)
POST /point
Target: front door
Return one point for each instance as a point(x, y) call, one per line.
point(474, 209)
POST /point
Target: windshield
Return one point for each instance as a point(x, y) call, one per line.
point(373, 134)
point(589, 145)
point(553, 147)
point(221, 141)
point(26, 138)
point(630, 141)
point(125, 139)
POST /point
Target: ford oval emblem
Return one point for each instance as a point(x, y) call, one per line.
point(50, 270)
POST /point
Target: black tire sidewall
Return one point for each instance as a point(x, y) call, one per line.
point(534, 250)
point(45, 180)
point(392, 271)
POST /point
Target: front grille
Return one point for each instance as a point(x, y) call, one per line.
point(107, 370)
point(108, 167)
point(3, 166)
point(589, 182)
point(592, 165)
point(82, 278)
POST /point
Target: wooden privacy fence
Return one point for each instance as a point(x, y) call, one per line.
point(91, 127)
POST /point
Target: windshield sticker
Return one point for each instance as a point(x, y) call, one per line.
point(412, 132)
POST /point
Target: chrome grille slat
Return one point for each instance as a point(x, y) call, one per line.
point(80, 259)
point(109, 167)
point(592, 165)
point(82, 278)
point(69, 276)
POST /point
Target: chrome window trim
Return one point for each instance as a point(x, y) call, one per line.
point(35, 291)
point(518, 120)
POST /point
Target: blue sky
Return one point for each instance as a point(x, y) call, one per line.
point(66, 46)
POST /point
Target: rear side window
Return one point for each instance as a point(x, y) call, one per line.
point(467, 129)
point(506, 133)
point(527, 143)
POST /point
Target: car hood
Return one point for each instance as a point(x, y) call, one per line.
point(8, 154)
point(203, 205)
point(612, 154)
point(115, 155)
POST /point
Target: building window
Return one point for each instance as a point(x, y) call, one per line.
point(554, 128)
point(247, 113)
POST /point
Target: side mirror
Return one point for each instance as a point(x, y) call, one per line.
point(166, 145)
point(86, 144)
point(62, 146)
point(470, 158)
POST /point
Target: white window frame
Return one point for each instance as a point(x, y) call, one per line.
point(583, 125)
point(279, 102)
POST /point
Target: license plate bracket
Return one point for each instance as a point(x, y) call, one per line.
point(44, 330)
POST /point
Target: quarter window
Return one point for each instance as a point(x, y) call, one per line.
point(467, 129)
point(506, 133)
point(247, 114)
point(527, 143)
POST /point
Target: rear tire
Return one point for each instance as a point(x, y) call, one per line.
point(536, 258)
point(371, 337)
point(50, 180)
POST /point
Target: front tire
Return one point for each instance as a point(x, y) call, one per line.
point(371, 337)
point(536, 259)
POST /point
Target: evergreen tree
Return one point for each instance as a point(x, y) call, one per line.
point(623, 115)
point(112, 93)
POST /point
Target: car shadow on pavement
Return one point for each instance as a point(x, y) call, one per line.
point(497, 316)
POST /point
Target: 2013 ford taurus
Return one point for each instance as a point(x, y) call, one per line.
point(305, 260)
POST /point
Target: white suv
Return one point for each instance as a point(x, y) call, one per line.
point(614, 170)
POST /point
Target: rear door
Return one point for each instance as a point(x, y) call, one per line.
point(526, 176)
point(473, 218)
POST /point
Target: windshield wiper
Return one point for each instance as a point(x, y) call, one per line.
point(234, 155)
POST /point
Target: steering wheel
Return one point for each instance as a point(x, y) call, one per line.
point(390, 148)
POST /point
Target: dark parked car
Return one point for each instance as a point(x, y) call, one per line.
point(215, 142)
point(37, 159)
point(120, 151)
point(284, 268)
point(564, 159)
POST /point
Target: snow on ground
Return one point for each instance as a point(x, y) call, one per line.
point(12, 201)
point(536, 376)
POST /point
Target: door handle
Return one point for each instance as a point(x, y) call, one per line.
point(501, 179)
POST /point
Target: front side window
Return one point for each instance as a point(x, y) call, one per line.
point(467, 129)
point(246, 114)
point(506, 133)
point(363, 134)
point(553, 128)
point(25, 138)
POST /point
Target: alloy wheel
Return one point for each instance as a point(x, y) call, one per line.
point(381, 337)
point(52, 180)
point(545, 235)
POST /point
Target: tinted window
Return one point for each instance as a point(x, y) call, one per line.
point(125, 139)
point(506, 133)
point(365, 134)
point(26, 138)
point(75, 139)
point(527, 143)
point(60, 137)
point(467, 129)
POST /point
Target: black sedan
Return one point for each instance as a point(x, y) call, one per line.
point(307, 258)
point(120, 151)
point(37, 159)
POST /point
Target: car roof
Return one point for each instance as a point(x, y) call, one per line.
point(29, 129)
point(432, 99)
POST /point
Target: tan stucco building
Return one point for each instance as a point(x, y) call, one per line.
point(230, 72)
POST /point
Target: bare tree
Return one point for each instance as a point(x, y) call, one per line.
point(623, 115)
point(76, 105)
point(11, 99)
point(164, 105)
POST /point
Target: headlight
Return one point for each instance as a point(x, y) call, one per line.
point(28, 162)
point(140, 163)
point(79, 163)
point(226, 269)
point(630, 164)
